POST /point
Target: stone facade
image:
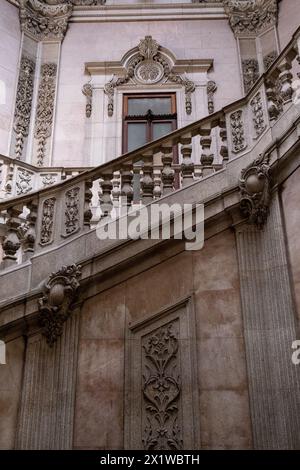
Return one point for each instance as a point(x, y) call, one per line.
point(102, 336)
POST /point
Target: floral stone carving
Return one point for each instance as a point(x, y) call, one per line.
point(255, 191)
point(54, 307)
point(258, 114)
point(251, 16)
point(72, 210)
point(161, 389)
point(45, 109)
point(237, 131)
point(23, 103)
point(47, 221)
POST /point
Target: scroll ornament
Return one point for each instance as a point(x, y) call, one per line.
point(255, 191)
point(54, 307)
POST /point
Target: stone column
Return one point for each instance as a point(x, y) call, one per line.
point(270, 329)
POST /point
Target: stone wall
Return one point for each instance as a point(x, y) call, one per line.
point(220, 371)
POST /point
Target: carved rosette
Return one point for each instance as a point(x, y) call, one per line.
point(251, 17)
point(255, 191)
point(149, 66)
point(162, 429)
point(23, 103)
point(47, 221)
point(54, 307)
point(45, 109)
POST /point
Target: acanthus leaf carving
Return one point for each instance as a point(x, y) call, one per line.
point(161, 389)
point(54, 306)
point(45, 109)
point(255, 184)
point(45, 19)
point(251, 16)
point(23, 103)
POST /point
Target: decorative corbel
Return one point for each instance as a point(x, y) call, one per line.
point(255, 191)
point(87, 90)
point(54, 307)
point(211, 89)
point(45, 19)
point(248, 17)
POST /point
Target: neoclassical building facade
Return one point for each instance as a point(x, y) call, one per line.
point(143, 343)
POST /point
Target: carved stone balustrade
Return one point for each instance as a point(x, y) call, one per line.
point(62, 204)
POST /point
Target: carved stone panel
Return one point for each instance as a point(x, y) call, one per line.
point(24, 181)
point(161, 401)
point(71, 211)
point(45, 109)
point(258, 114)
point(237, 131)
point(46, 234)
point(23, 104)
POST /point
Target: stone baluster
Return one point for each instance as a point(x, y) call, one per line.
point(223, 137)
point(126, 185)
point(187, 164)
point(116, 188)
point(105, 197)
point(207, 157)
point(12, 242)
point(157, 183)
point(168, 173)
point(286, 79)
point(29, 237)
point(87, 214)
point(147, 183)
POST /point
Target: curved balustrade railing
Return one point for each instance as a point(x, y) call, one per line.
point(42, 219)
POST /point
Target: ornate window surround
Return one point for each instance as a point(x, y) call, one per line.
point(107, 129)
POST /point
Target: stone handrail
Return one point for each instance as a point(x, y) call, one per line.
point(46, 218)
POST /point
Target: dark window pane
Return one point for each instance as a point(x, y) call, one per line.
point(161, 128)
point(137, 135)
point(140, 106)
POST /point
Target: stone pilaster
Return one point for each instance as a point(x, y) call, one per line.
point(269, 329)
point(48, 394)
